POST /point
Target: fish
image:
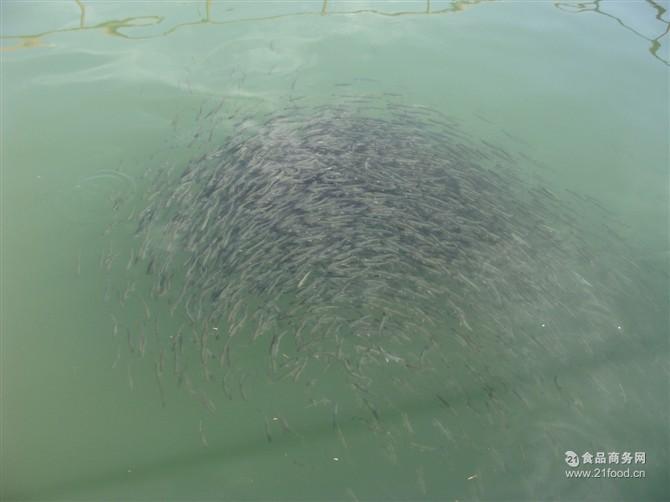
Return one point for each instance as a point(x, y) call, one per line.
point(203, 438)
point(304, 278)
point(362, 236)
point(115, 325)
point(421, 480)
point(131, 382)
point(268, 436)
point(159, 381)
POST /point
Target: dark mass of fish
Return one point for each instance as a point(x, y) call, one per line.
point(373, 238)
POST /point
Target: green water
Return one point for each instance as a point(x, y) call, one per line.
point(89, 88)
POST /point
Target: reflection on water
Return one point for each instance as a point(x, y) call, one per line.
point(123, 27)
point(114, 27)
point(654, 7)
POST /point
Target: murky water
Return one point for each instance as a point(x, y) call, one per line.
point(334, 250)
